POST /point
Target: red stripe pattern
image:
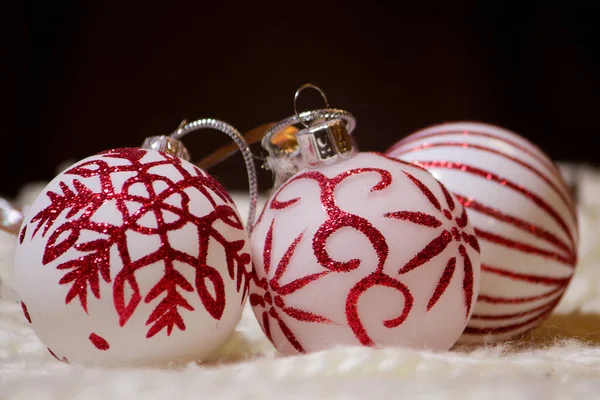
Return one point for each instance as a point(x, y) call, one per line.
point(523, 214)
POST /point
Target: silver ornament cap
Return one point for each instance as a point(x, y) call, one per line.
point(324, 138)
point(325, 143)
point(168, 145)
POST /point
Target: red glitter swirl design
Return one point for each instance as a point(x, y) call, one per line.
point(516, 313)
point(170, 209)
point(272, 299)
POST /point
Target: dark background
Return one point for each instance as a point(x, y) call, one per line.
point(88, 76)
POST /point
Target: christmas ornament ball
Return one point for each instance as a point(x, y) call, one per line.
point(523, 214)
point(132, 257)
point(368, 250)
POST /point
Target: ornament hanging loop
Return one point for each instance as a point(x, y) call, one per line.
point(297, 94)
point(210, 123)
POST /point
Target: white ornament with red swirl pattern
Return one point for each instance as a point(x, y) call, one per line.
point(132, 256)
point(368, 250)
point(523, 215)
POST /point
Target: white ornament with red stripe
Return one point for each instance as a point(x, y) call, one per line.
point(133, 256)
point(523, 215)
point(360, 249)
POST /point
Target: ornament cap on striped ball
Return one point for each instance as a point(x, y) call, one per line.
point(523, 214)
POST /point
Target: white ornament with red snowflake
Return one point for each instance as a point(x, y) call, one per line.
point(367, 251)
point(523, 215)
point(133, 256)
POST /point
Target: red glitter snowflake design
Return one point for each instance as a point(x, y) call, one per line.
point(272, 300)
point(440, 243)
point(273, 303)
point(84, 273)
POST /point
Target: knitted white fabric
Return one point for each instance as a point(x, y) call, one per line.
point(560, 359)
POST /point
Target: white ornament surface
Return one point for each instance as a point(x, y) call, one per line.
point(132, 257)
point(367, 251)
point(523, 215)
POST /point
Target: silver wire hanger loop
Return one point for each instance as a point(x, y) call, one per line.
point(210, 123)
point(297, 94)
